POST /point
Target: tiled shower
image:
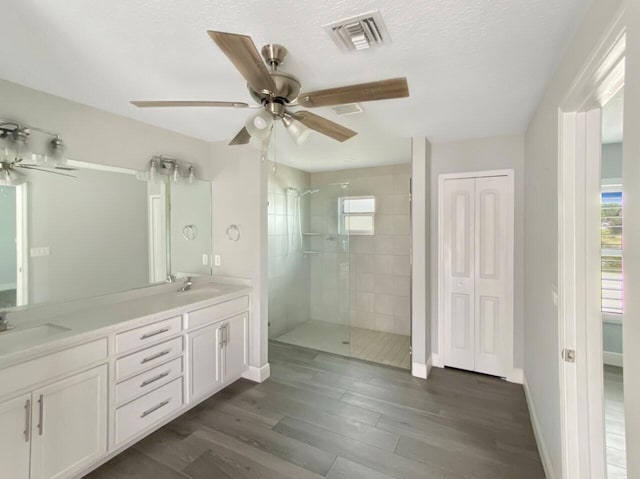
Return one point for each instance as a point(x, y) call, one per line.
point(329, 290)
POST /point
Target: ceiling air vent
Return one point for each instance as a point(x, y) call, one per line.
point(360, 32)
point(348, 109)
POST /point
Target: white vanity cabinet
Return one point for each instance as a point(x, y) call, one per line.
point(57, 430)
point(15, 442)
point(218, 352)
point(69, 424)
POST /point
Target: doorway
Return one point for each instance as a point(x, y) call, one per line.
point(476, 255)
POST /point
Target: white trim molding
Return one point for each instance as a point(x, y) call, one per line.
point(258, 375)
point(612, 359)
point(420, 370)
point(535, 423)
point(516, 376)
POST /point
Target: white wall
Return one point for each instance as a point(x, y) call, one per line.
point(631, 182)
point(239, 178)
point(504, 152)
point(421, 257)
point(542, 353)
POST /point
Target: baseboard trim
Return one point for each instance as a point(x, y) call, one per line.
point(612, 359)
point(436, 361)
point(258, 375)
point(419, 370)
point(516, 376)
point(542, 447)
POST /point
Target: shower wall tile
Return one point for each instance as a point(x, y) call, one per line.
point(373, 283)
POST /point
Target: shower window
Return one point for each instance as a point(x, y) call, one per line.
point(357, 215)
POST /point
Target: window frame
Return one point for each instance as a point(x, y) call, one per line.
point(342, 215)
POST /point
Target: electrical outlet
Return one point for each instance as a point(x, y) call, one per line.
point(41, 251)
point(217, 260)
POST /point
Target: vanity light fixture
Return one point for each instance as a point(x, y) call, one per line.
point(9, 176)
point(16, 144)
point(163, 165)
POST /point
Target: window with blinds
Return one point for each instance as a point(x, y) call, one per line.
point(611, 251)
point(357, 215)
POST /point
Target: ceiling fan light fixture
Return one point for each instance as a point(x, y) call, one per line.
point(259, 125)
point(297, 131)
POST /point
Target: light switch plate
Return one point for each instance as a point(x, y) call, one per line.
point(205, 259)
point(217, 260)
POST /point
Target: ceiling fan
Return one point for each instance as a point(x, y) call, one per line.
point(276, 91)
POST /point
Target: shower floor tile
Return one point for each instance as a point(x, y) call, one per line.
point(376, 346)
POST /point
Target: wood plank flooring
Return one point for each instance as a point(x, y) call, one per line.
point(326, 416)
point(614, 423)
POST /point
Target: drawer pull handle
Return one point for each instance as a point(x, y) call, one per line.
point(155, 356)
point(155, 408)
point(154, 333)
point(154, 379)
point(27, 426)
point(41, 415)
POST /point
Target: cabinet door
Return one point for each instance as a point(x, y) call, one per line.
point(15, 442)
point(204, 353)
point(69, 425)
point(235, 346)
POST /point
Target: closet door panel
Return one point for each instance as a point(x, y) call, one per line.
point(493, 284)
point(459, 273)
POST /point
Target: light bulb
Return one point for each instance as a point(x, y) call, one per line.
point(56, 147)
point(153, 171)
point(192, 175)
point(259, 125)
point(21, 148)
point(176, 173)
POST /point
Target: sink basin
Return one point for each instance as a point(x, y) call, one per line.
point(22, 337)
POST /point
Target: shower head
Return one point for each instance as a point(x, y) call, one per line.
point(311, 191)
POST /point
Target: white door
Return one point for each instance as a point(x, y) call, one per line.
point(205, 346)
point(69, 425)
point(235, 347)
point(478, 273)
point(15, 440)
point(459, 273)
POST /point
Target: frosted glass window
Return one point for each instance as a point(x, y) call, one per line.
point(357, 215)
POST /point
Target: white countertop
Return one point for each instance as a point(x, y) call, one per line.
point(104, 317)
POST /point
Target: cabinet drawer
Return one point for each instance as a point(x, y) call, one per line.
point(53, 365)
point(148, 381)
point(138, 415)
point(148, 358)
point(148, 334)
point(211, 314)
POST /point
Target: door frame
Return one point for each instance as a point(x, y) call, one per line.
point(579, 308)
point(438, 360)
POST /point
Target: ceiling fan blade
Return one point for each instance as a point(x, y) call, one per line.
point(324, 126)
point(29, 167)
point(377, 90)
point(242, 138)
point(66, 168)
point(243, 53)
point(180, 103)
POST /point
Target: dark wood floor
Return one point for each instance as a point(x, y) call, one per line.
point(321, 415)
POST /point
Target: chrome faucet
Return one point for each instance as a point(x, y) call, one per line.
point(186, 286)
point(4, 322)
point(171, 278)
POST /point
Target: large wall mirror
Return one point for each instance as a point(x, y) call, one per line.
point(99, 230)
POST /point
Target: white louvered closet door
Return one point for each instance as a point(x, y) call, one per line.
point(478, 277)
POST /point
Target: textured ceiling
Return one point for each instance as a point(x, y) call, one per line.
point(475, 67)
